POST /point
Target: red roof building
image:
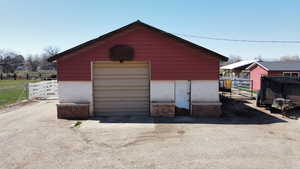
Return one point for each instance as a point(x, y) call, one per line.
point(259, 69)
point(140, 70)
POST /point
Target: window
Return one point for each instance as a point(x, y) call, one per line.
point(291, 74)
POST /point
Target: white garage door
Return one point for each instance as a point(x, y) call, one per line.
point(121, 89)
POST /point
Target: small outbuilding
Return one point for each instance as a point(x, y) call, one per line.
point(140, 70)
point(237, 69)
point(259, 69)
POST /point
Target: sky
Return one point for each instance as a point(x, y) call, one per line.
point(29, 26)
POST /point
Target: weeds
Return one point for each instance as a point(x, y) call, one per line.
point(77, 124)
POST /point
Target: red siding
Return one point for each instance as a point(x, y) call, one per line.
point(280, 73)
point(170, 59)
point(255, 75)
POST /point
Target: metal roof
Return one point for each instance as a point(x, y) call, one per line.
point(279, 66)
point(238, 64)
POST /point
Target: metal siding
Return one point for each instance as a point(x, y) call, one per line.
point(170, 59)
point(280, 73)
point(282, 66)
point(121, 89)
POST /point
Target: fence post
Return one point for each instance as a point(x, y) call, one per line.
point(238, 82)
point(27, 91)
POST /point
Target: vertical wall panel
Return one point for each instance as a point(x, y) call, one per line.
point(162, 91)
point(182, 94)
point(204, 91)
point(76, 92)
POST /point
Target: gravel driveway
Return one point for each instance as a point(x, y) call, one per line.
point(32, 137)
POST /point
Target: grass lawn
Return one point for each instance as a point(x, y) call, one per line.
point(12, 95)
point(247, 90)
point(9, 96)
point(15, 82)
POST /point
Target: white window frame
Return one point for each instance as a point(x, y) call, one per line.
point(290, 73)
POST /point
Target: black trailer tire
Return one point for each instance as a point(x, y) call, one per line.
point(273, 110)
point(258, 101)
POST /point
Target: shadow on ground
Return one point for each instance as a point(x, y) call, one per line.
point(291, 114)
point(234, 112)
point(239, 109)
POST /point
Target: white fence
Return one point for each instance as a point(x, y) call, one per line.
point(242, 83)
point(238, 85)
point(239, 82)
point(43, 90)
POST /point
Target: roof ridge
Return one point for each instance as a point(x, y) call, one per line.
point(104, 36)
point(278, 65)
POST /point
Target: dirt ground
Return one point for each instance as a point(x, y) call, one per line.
point(32, 137)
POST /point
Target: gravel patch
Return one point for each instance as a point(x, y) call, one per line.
point(32, 137)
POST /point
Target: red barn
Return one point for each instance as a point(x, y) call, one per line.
point(140, 70)
point(259, 69)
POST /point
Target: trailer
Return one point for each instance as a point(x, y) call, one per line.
point(279, 92)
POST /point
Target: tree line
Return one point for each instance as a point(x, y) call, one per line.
point(11, 61)
point(236, 58)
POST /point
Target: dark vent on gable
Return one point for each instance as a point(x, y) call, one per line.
point(121, 53)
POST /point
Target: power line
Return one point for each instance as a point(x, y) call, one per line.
point(240, 40)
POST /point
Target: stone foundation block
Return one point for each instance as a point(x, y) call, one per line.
point(206, 110)
point(72, 111)
point(162, 109)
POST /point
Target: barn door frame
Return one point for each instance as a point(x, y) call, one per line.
point(186, 95)
point(92, 107)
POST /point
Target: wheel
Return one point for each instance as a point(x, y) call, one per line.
point(272, 109)
point(258, 103)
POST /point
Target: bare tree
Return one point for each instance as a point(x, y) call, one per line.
point(48, 52)
point(33, 61)
point(289, 58)
point(10, 60)
point(232, 59)
point(51, 51)
point(259, 58)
